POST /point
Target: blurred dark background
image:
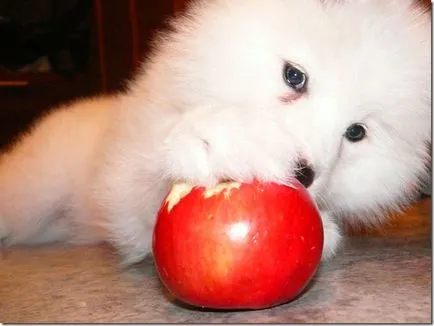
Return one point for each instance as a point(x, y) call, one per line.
point(53, 51)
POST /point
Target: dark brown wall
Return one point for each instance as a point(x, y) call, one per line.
point(120, 35)
point(124, 29)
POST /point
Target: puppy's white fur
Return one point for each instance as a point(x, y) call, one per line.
point(210, 103)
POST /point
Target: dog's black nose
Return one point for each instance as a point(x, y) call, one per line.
point(304, 173)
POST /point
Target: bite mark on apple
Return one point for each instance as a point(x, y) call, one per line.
point(178, 192)
point(225, 186)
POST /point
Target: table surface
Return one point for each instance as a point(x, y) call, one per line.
point(378, 276)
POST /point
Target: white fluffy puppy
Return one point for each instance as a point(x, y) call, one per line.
point(336, 93)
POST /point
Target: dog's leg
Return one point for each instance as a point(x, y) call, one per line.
point(332, 235)
point(125, 196)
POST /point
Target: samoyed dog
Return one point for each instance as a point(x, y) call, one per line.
point(335, 93)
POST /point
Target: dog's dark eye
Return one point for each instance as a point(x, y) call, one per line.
point(355, 133)
point(294, 77)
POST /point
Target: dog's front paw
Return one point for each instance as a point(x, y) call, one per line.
point(332, 236)
point(187, 159)
point(207, 146)
point(134, 252)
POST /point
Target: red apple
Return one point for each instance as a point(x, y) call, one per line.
point(237, 246)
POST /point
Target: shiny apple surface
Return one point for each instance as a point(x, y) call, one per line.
point(237, 246)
